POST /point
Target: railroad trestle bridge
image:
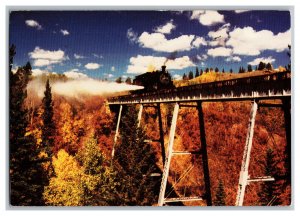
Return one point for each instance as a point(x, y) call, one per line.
point(255, 89)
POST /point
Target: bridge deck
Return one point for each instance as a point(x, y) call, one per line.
point(270, 86)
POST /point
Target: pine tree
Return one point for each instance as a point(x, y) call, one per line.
point(288, 67)
point(197, 72)
point(191, 75)
point(261, 66)
point(99, 179)
point(223, 71)
point(269, 66)
point(201, 72)
point(119, 80)
point(249, 68)
point(128, 81)
point(220, 195)
point(231, 71)
point(206, 70)
point(240, 70)
point(216, 69)
point(26, 172)
point(269, 190)
point(134, 162)
point(184, 77)
point(48, 128)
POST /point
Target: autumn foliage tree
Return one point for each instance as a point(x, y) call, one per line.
point(83, 180)
point(65, 188)
point(70, 130)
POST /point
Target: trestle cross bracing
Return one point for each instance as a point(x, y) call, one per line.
point(269, 87)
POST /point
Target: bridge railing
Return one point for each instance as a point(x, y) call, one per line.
point(264, 85)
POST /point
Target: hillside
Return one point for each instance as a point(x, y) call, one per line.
point(219, 76)
point(78, 118)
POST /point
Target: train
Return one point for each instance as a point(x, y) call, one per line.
point(154, 81)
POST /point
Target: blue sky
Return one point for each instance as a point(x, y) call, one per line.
point(109, 44)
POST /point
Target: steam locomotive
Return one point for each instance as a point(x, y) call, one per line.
point(154, 81)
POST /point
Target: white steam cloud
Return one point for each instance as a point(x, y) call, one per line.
point(79, 88)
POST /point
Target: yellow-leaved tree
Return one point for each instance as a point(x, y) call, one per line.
point(65, 189)
point(83, 180)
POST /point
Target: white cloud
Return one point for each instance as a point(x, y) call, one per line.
point(220, 36)
point(207, 17)
point(77, 56)
point(141, 64)
point(158, 42)
point(43, 57)
point(219, 51)
point(64, 32)
point(177, 77)
point(247, 41)
point(256, 61)
point(199, 41)
point(97, 56)
point(240, 11)
point(233, 59)
point(202, 57)
point(33, 24)
point(75, 74)
point(113, 68)
point(92, 66)
point(166, 29)
point(39, 72)
point(132, 36)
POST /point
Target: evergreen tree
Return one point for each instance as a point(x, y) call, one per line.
point(134, 162)
point(12, 53)
point(184, 77)
point(261, 66)
point(201, 72)
point(231, 71)
point(288, 67)
point(25, 170)
point(269, 190)
point(269, 66)
point(197, 72)
point(223, 71)
point(128, 81)
point(256, 68)
point(99, 179)
point(249, 68)
point(216, 69)
point(206, 70)
point(191, 75)
point(211, 69)
point(220, 195)
point(48, 128)
point(119, 80)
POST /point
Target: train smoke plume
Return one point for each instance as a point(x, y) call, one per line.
point(80, 87)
